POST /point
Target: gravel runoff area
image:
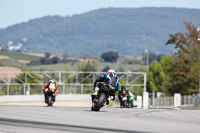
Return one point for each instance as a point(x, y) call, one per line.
point(59, 103)
point(73, 100)
point(70, 100)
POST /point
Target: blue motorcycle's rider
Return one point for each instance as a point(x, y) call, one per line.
point(110, 77)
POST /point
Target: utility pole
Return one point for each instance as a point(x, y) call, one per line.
point(199, 78)
point(198, 39)
point(147, 61)
point(147, 55)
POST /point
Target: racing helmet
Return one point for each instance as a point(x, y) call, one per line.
point(51, 81)
point(111, 71)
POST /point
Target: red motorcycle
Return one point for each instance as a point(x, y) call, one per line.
point(51, 96)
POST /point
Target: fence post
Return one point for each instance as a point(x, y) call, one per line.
point(177, 100)
point(24, 88)
point(8, 85)
point(153, 97)
point(8, 88)
point(81, 88)
point(93, 77)
point(126, 78)
point(145, 82)
point(25, 77)
point(28, 90)
point(197, 101)
point(63, 88)
point(145, 100)
point(59, 77)
point(42, 78)
point(76, 79)
point(139, 102)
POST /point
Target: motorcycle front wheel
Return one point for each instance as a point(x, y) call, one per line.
point(100, 102)
point(124, 104)
point(49, 101)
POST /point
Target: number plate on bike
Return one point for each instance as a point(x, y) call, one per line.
point(124, 98)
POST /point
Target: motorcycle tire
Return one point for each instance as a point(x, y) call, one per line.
point(100, 102)
point(129, 105)
point(49, 101)
point(92, 109)
point(124, 104)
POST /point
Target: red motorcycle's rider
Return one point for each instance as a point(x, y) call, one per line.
point(50, 84)
point(109, 77)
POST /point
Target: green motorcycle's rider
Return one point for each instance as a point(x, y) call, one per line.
point(131, 99)
point(131, 96)
point(110, 77)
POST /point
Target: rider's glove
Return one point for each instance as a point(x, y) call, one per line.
point(96, 89)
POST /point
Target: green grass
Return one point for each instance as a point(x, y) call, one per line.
point(74, 67)
point(119, 66)
point(11, 63)
point(71, 66)
point(19, 56)
point(57, 67)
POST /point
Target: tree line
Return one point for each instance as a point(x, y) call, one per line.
point(110, 56)
point(178, 73)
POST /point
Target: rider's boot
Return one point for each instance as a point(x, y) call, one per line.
point(45, 98)
point(108, 101)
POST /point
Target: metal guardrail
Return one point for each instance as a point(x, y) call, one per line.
point(32, 82)
point(168, 102)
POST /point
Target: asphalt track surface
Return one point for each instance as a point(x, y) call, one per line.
point(60, 119)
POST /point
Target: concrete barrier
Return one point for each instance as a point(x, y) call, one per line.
point(197, 101)
point(65, 97)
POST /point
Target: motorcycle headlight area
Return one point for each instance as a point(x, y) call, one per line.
point(52, 90)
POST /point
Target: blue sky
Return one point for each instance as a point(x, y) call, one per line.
point(17, 11)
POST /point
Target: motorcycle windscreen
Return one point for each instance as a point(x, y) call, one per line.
point(113, 81)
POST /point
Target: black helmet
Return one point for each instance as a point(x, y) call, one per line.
point(123, 87)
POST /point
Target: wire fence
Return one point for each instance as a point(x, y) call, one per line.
point(168, 102)
point(29, 83)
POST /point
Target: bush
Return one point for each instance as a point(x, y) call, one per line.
point(110, 56)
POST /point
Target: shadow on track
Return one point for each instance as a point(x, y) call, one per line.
point(59, 127)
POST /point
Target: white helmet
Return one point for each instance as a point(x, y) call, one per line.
point(51, 81)
point(111, 71)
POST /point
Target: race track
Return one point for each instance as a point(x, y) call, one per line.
point(61, 119)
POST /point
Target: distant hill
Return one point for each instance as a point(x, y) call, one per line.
point(128, 31)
